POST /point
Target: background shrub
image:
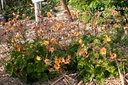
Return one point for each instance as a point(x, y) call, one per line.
point(26, 7)
point(99, 5)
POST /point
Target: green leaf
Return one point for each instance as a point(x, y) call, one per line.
point(111, 69)
point(38, 75)
point(44, 77)
point(86, 77)
point(22, 63)
point(60, 53)
point(40, 67)
point(100, 77)
point(96, 55)
point(30, 68)
point(96, 41)
point(89, 68)
point(81, 63)
point(18, 60)
point(9, 67)
point(73, 49)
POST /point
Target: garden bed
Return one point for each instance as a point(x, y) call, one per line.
point(63, 36)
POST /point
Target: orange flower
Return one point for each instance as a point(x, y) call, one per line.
point(74, 14)
point(82, 45)
point(68, 57)
point(38, 58)
point(56, 26)
point(46, 43)
point(14, 21)
point(17, 16)
point(12, 40)
point(61, 60)
point(113, 11)
point(82, 51)
point(18, 47)
point(62, 24)
point(108, 39)
point(81, 41)
point(97, 14)
point(47, 62)
point(17, 35)
point(113, 55)
point(27, 18)
point(103, 51)
point(51, 49)
point(53, 41)
point(94, 22)
point(76, 34)
point(126, 27)
point(67, 61)
point(49, 14)
point(1, 23)
point(104, 27)
point(12, 28)
point(115, 25)
point(10, 23)
point(57, 61)
point(23, 55)
point(14, 14)
point(57, 66)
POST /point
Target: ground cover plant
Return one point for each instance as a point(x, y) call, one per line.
point(45, 53)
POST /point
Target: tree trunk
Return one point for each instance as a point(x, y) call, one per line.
point(68, 14)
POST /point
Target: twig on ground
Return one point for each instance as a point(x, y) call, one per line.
point(57, 80)
point(73, 74)
point(78, 74)
point(65, 82)
point(121, 76)
point(67, 77)
point(80, 83)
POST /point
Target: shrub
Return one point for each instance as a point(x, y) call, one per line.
point(98, 5)
point(26, 7)
point(32, 58)
point(97, 58)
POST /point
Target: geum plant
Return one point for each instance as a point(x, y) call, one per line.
point(98, 54)
point(40, 57)
point(32, 58)
point(97, 58)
